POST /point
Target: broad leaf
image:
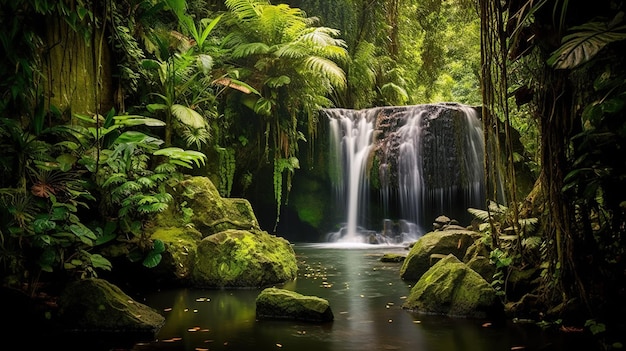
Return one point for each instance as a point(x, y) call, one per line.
point(585, 43)
point(188, 116)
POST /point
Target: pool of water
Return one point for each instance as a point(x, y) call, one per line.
point(365, 296)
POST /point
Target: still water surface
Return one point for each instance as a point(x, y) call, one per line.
point(365, 295)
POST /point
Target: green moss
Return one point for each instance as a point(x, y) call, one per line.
point(452, 288)
point(181, 245)
point(287, 304)
point(239, 258)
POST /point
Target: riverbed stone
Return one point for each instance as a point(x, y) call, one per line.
point(275, 303)
point(392, 257)
point(241, 258)
point(433, 246)
point(95, 305)
point(452, 288)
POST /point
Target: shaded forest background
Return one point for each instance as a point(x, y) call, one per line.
point(106, 104)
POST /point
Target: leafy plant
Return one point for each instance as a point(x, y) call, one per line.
point(132, 175)
point(586, 41)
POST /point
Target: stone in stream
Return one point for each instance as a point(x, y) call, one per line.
point(275, 303)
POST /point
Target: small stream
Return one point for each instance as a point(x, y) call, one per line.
point(365, 295)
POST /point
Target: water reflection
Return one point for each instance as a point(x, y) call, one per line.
point(365, 295)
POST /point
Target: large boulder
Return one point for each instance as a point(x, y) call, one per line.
point(241, 258)
point(211, 212)
point(95, 305)
point(274, 303)
point(451, 288)
point(181, 246)
point(432, 247)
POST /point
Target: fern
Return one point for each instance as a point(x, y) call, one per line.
point(328, 68)
point(483, 215)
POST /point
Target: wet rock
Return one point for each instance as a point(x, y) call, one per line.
point(95, 305)
point(240, 258)
point(432, 246)
point(274, 303)
point(390, 257)
point(212, 212)
point(453, 289)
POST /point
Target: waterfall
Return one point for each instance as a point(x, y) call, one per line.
point(419, 162)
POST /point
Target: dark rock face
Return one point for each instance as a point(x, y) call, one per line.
point(274, 303)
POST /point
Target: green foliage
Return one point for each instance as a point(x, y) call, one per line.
point(510, 239)
point(586, 41)
point(227, 170)
point(280, 166)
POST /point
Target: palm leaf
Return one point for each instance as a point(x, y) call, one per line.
point(585, 43)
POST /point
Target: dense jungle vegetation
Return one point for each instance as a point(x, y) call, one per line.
point(106, 104)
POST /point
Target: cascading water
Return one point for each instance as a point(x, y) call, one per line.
point(422, 161)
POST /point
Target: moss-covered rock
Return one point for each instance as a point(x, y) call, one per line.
point(240, 258)
point(211, 212)
point(274, 303)
point(477, 258)
point(435, 245)
point(95, 305)
point(451, 288)
point(181, 246)
point(392, 257)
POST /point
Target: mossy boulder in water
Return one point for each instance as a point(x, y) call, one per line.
point(181, 246)
point(451, 288)
point(432, 246)
point(240, 258)
point(274, 303)
point(95, 305)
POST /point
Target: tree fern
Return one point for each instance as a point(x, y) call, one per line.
point(327, 68)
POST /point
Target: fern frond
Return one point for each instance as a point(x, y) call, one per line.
point(532, 242)
point(244, 9)
point(164, 197)
point(483, 215)
point(328, 68)
point(115, 178)
point(249, 49)
point(152, 208)
point(146, 182)
point(291, 51)
point(322, 37)
point(528, 224)
point(147, 199)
